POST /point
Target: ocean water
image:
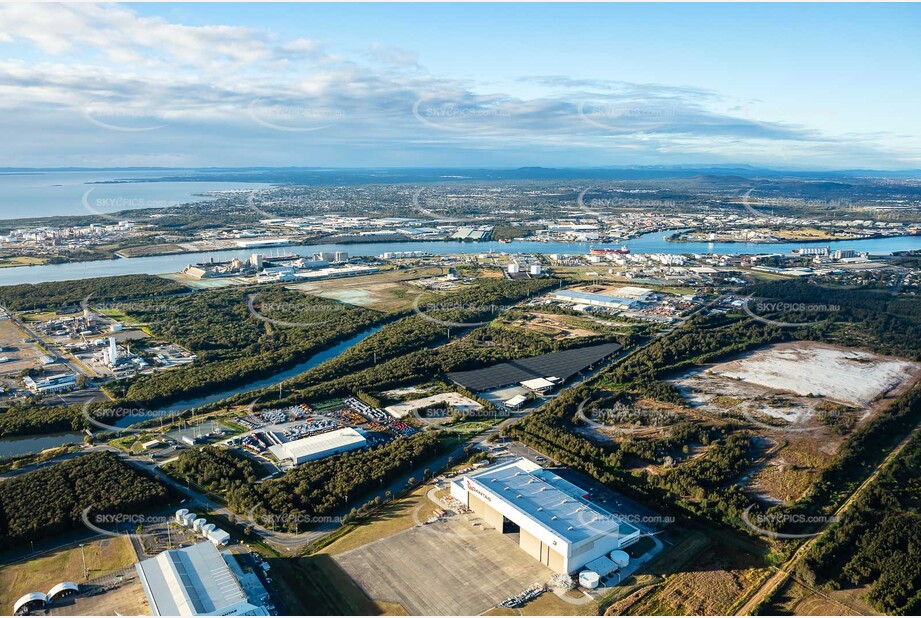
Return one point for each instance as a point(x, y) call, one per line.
point(64, 193)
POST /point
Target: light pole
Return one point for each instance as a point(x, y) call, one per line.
point(86, 573)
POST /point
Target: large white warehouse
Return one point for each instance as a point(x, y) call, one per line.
point(557, 523)
point(318, 447)
point(194, 581)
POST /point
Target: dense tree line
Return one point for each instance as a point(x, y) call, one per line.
point(871, 318)
point(62, 294)
point(327, 486)
point(26, 420)
point(878, 540)
point(235, 346)
point(216, 469)
point(48, 501)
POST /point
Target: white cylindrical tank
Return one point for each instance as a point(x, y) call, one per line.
point(535, 269)
point(188, 519)
point(207, 528)
point(513, 269)
point(180, 514)
point(198, 523)
point(620, 558)
point(589, 579)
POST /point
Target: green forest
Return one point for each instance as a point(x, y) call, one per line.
point(49, 501)
point(216, 469)
point(327, 486)
point(878, 540)
point(58, 295)
point(233, 346)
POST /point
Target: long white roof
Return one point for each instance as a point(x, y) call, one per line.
point(190, 581)
point(549, 500)
point(317, 444)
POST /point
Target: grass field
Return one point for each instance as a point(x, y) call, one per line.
point(710, 585)
point(102, 557)
point(794, 599)
point(689, 545)
point(9, 262)
point(399, 515)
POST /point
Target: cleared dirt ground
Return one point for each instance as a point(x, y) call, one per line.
point(804, 397)
point(387, 291)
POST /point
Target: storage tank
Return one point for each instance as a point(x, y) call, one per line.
point(513, 269)
point(620, 558)
point(342, 256)
point(207, 528)
point(535, 269)
point(188, 519)
point(180, 514)
point(588, 579)
point(198, 523)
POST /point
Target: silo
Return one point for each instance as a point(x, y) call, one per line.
point(188, 519)
point(180, 514)
point(535, 269)
point(620, 558)
point(198, 523)
point(513, 269)
point(589, 579)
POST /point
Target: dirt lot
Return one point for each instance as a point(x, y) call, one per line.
point(128, 599)
point(24, 356)
point(845, 375)
point(558, 326)
point(447, 568)
point(804, 397)
point(387, 291)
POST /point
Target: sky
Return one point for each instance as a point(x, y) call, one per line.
point(807, 86)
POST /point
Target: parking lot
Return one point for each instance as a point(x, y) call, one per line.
point(450, 567)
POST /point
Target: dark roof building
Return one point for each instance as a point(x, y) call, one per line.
point(562, 365)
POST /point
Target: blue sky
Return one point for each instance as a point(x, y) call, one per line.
point(799, 86)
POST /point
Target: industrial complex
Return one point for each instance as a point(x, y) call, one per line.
point(554, 519)
point(319, 446)
point(195, 581)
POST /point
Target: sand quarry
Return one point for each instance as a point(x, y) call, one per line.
point(777, 380)
point(771, 388)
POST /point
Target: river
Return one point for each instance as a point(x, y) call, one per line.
point(649, 243)
point(32, 444)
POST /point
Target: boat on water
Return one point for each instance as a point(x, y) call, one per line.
point(606, 251)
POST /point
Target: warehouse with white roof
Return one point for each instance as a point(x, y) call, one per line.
point(194, 581)
point(320, 446)
point(556, 522)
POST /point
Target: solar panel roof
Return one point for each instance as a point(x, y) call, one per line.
point(562, 365)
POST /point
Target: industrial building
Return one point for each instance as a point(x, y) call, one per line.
point(553, 518)
point(195, 581)
point(52, 384)
point(320, 446)
point(560, 366)
point(596, 300)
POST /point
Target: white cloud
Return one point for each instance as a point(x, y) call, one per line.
point(227, 92)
